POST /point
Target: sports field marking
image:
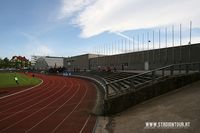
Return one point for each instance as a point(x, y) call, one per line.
point(18, 99)
point(85, 124)
point(22, 91)
point(35, 115)
point(54, 111)
point(39, 109)
point(70, 112)
point(29, 100)
point(26, 108)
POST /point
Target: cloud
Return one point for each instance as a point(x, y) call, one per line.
point(35, 47)
point(96, 17)
point(69, 7)
point(43, 50)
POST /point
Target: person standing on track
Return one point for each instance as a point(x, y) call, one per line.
point(16, 80)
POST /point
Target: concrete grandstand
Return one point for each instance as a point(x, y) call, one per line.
point(139, 60)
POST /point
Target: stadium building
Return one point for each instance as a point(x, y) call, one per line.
point(137, 60)
point(79, 63)
point(46, 62)
point(149, 59)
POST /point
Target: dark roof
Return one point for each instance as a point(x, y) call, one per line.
point(20, 58)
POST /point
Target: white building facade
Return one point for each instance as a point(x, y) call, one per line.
point(46, 62)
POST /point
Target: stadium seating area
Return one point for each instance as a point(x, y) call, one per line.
point(119, 82)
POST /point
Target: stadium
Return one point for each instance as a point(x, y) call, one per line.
point(93, 66)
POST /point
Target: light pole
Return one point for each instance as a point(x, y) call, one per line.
point(133, 54)
point(129, 45)
point(153, 49)
point(173, 60)
point(143, 46)
point(148, 41)
point(133, 43)
point(159, 40)
point(122, 46)
point(190, 41)
point(138, 42)
point(125, 46)
point(180, 43)
point(166, 58)
point(143, 41)
point(153, 40)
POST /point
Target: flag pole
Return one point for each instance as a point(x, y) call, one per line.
point(190, 41)
point(180, 43)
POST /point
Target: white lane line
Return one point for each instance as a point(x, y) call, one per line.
point(29, 94)
point(54, 130)
point(28, 107)
point(38, 110)
point(85, 124)
point(46, 90)
point(53, 111)
point(44, 85)
point(21, 101)
point(31, 99)
point(7, 101)
point(21, 91)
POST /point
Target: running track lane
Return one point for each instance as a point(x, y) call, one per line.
point(60, 105)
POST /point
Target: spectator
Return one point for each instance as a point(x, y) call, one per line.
point(122, 66)
point(115, 69)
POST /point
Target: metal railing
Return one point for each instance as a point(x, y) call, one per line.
point(133, 83)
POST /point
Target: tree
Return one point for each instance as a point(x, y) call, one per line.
point(6, 62)
point(1, 63)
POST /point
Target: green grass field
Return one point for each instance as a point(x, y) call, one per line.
point(7, 80)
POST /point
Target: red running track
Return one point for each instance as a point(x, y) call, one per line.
point(59, 104)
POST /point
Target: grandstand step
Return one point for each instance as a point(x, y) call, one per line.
point(143, 79)
point(112, 89)
point(136, 82)
point(111, 79)
point(117, 76)
point(123, 86)
point(139, 80)
point(146, 77)
point(117, 87)
point(126, 83)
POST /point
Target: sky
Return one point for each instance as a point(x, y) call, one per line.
point(73, 27)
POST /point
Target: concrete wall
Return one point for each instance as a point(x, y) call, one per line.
point(156, 58)
point(54, 61)
point(46, 62)
point(78, 62)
